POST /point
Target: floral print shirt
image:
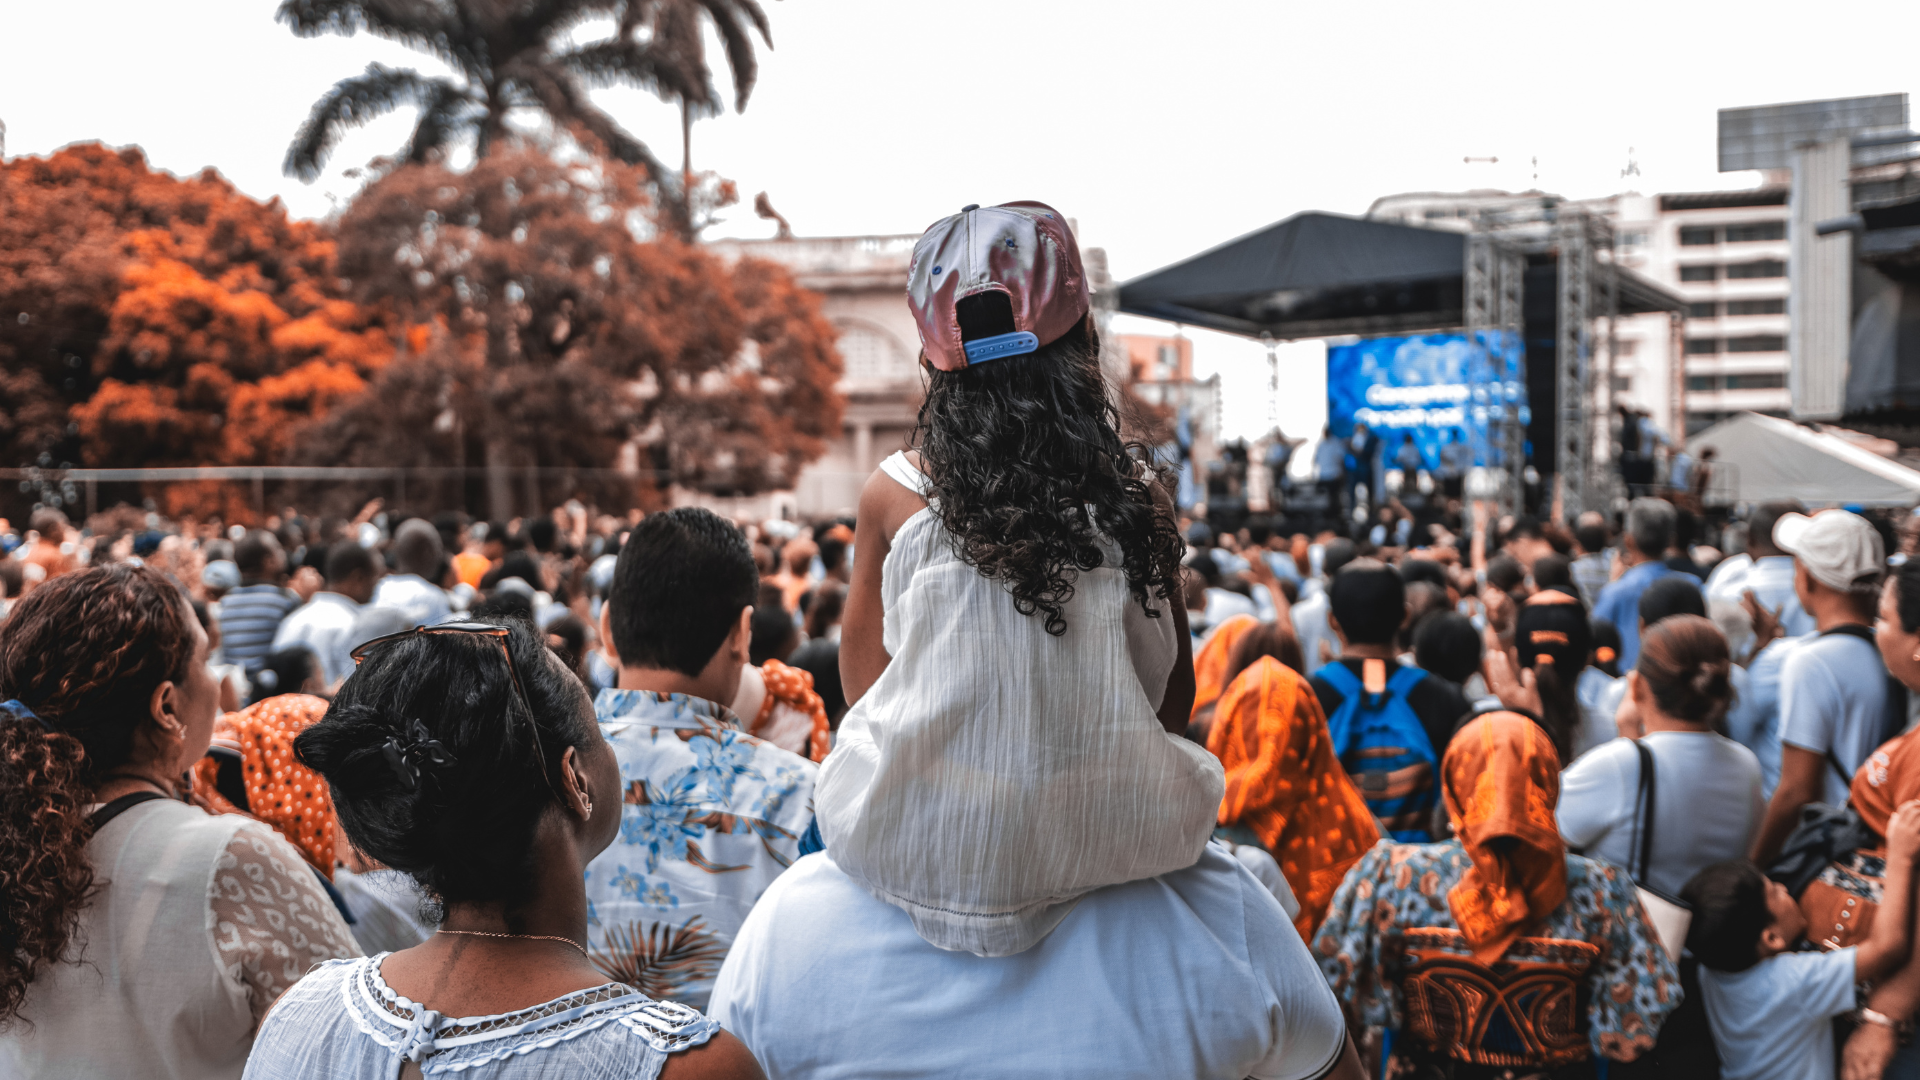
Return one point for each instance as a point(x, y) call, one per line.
point(1386, 948)
point(709, 817)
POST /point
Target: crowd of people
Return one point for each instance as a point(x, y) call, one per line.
point(1018, 771)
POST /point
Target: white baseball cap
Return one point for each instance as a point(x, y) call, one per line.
point(1840, 550)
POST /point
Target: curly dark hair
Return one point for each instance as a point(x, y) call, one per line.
point(1029, 470)
point(85, 651)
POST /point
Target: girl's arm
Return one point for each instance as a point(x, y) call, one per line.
point(884, 507)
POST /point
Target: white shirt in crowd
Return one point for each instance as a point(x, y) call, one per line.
point(1754, 722)
point(1833, 697)
point(1224, 604)
point(202, 922)
point(1310, 626)
point(1599, 697)
point(424, 602)
point(323, 625)
point(1707, 804)
point(1212, 982)
point(1771, 580)
point(1774, 1021)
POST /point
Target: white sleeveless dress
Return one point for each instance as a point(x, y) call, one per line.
point(995, 773)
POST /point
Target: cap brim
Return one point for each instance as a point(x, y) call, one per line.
point(1788, 531)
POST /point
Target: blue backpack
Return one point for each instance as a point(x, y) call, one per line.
point(1385, 749)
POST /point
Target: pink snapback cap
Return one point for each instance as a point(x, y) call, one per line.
point(1020, 249)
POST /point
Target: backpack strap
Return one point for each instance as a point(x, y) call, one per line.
point(1402, 682)
point(1341, 678)
point(1643, 810)
point(99, 818)
point(1854, 630)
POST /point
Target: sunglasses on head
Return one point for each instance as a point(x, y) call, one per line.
point(478, 629)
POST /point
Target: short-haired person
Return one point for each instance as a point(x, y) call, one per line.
point(416, 556)
point(1009, 796)
point(467, 757)
point(251, 614)
point(1650, 528)
point(1497, 952)
point(145, 936)
point(1834, 702)
point(712, 815)
point(1772, 1006)
point(1368, 688)
point(324, 624)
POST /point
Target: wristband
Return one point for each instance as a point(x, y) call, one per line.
point(1902, 1030)
point(1871, 1017)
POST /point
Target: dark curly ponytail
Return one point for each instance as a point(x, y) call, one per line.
point(83, 654)
point(1029, 469)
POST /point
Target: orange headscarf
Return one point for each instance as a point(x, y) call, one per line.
point(793, 687)
point(1210, 663)
point(1501, 781)
point(280, 791)
point(1285, 783)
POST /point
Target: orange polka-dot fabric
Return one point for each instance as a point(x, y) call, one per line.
point(793, 688)
point(280, 791)
point(1286, 785)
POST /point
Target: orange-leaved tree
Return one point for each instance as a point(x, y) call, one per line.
point(555, 339)
point(147, 319)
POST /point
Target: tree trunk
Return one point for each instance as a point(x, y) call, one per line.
point(499, 479)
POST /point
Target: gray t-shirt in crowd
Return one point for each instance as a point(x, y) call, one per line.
point(1707, 804)
point(1833, 697)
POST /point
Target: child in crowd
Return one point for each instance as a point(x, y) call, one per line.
point(1771, 1007)
point(1015, 643)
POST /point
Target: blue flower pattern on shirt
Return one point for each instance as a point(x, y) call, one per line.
point(709, 817)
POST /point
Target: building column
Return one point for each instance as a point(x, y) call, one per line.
point(863, 447)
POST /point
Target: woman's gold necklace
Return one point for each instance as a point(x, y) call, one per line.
point(521, 937)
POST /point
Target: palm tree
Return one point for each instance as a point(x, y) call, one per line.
point(514, 55)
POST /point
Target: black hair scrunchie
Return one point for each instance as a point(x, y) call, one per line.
point(406, 751)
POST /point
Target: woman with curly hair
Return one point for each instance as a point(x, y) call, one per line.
point(1013, 767)
point(143, 936)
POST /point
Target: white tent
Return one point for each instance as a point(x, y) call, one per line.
point(1763, 457)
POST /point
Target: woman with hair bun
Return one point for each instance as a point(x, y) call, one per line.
point(466, 756)
point(145, 937)
point(1707, 802)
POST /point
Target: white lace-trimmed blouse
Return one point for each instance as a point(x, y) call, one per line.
point(200, 923)
point(345, 1023)
point(995, 773)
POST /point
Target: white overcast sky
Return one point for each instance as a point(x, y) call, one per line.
point(1163, 128)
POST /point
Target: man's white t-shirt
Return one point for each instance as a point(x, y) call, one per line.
point(1196, 973)
point(1310, 628)
point(1774, 1021)
point(1707, 804)
point(1833, 696)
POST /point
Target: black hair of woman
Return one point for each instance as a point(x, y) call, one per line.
point(463, 822)
point(1029, 470)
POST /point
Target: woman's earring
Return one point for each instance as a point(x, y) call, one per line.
point(589, 808)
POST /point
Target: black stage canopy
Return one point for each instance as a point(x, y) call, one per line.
point(1325, 275)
